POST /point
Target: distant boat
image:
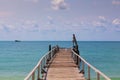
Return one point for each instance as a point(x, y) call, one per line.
point(17, 41)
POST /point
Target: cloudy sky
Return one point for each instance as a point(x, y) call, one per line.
point(94, 20)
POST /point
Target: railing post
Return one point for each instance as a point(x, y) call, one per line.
point(47, 59)
point(74, 58)
point(33, 76)
point(88, 72)
point(50, 52)
point(49, 47)
point(41, 69)
point(82, 65)
point(78, 62)
point(77, 51)
point(75, 48)
point(45, 65)
point(38, 77)
point(98, 76)
point(82, 71)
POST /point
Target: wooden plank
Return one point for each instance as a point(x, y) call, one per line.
point(63, 67)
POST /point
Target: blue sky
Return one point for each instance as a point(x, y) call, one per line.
point(94, 20)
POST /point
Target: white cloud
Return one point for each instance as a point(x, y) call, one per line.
point(116, 21)
point(59, 4)
point(116, 24)
point(30, 25)
point(77, 26)
point(7, 27)
point(102, 24)
point(101, 18)
point(116, 2)
point(97, 23)
point(27, 26)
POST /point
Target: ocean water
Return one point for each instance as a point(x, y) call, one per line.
point(17, 59)
point(104, 55)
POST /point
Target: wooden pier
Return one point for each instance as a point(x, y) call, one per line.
point(64, 64)
point(63, 67)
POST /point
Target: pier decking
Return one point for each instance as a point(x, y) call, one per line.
point(64, 64)
point(63, 67)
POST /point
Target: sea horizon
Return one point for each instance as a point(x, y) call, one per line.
point(17, 59)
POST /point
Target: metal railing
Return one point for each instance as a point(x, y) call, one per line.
point(40, 70)
point(89, 66)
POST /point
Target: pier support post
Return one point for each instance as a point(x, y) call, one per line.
point(88, 72)
point(75, 48)
point(98, 76)
point(49, 47)
point(77, 51)
point(38, 76)
point(33, 76)
point(83, 65)
point(50, 52)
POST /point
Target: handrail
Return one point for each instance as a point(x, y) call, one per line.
point(90, 66)
point(48, 55)
point(29, 75)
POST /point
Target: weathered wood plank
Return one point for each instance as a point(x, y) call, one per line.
point(63, 67)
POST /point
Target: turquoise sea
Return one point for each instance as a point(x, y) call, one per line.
point(18, 58)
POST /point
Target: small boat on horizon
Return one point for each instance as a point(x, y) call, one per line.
point(17, 41)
